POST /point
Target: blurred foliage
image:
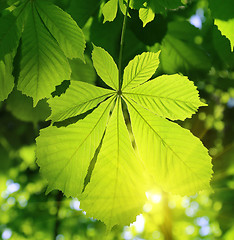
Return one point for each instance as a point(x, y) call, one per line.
point(192, 45)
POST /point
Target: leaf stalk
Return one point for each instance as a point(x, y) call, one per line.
point(121, 47)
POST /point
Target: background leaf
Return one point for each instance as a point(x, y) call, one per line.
point(64, 29)
point(6, 78)
point(21, 107)
point(43, 64)
point(109, 10)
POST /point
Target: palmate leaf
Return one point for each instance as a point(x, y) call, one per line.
point(43, 64)
point(171, 96)
point(64, 154)
point(116, 192)
point(119, 175)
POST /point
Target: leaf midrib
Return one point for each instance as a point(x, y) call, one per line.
point(79, 105)
point(154, 96)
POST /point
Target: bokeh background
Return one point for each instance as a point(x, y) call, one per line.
point(191, 45)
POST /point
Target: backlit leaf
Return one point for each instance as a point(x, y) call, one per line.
point(109, 10)
point(176, 159)
point(105, 66)
point(146, 15)
point(79, 98)
point(226, 28)
point(170, 96)
point(64, 153)
point(140, 69)
point(116, 193)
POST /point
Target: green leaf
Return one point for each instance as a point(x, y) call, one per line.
point(81, 71)
point(176, 159)
point(6, 78)
point(64, 29)
point(43, 64)
point(180, 53)
point(79, 98)
point(170, 96)
point(9, 34)
point(105, 67)
point(11, 30)
point(81, 11)
point(221, 9)
point(21, 107)
point(140, 69)
point(226, 28)
point(116, 192)
point(109, 10)
point(64, 153)
point(137, 4)
point(161, 6)
point(146, 15)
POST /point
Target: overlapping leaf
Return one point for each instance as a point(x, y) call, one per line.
point(43, 64)
point(49, 35)
point(64, 29)
point(115, 194)
point(10, 30)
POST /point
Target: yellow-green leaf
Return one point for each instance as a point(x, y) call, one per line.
point(176, 159)
point(140, 69)
point(64, 154)
point(170, 96)
point(116, 192)
point(105, 66)
point(79, 98)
